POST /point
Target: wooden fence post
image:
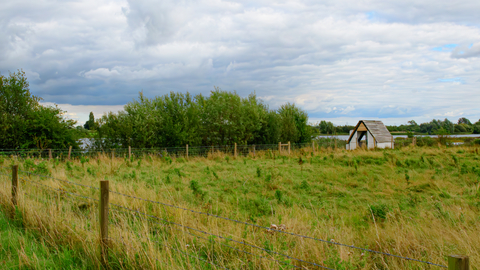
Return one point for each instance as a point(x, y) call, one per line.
point(289, 148)
point(69, 152)
point(392, 142)
point(235, 151)
point(49, 153)
point(458, 262)
point(186, 151)
point(254, 150)
point(129, 152)
point(14, 185)
point(104, 197)
point(279, 148)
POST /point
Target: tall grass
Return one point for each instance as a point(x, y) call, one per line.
point(421, 203)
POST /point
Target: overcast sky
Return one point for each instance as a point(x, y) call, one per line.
point(339, 60)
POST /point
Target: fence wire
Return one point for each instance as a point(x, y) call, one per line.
point(58, 189)
point(205, 151)
point(176, 152)
point(65, 181)
point(280, 231)
point(207, 233)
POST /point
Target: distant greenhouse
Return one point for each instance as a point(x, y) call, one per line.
point(369, 134)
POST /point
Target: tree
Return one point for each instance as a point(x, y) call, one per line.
point(90, 124)
point(293, 122)
point(24, 123)
point(464, 120)
point(476, 129)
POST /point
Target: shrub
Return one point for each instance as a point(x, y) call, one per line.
point(279, 195)
point(305, 185)
point(42, 168)
point(379, 211)
point(196, 189)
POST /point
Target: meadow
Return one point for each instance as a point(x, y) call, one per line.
point(416, 202)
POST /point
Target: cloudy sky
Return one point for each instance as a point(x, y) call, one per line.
point(339, 60)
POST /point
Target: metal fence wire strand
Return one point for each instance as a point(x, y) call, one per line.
point(284, 232)
point(223, 244)
point(57, 189)
point(239, 242)
point(66, 181)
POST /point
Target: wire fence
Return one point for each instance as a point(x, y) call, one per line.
point(163, 152)
point(194, 232)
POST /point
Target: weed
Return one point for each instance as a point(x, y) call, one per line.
point(91, 171)
point(304, 185)
point(379, 211)
point(259, 172)
point(196, 189)
point(167, 179)
point(84, 160)
point(455, 159)
point(69, 166)
point(279, 195)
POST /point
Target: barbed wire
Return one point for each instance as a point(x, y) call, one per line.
point(57, 189)
point(280, 231)
point(5, 174)
point(66, 181)
point(223, 244)
point(222, 237)
point(70, 196)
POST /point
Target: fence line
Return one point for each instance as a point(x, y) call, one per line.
point(57, 189)
point(177, 224)
point(200, 231)
point(280, 231)
point(89, 198)
point(66, 181)
point(212, 215)
point(184, 151)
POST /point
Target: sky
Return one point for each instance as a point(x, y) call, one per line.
point(340, 61)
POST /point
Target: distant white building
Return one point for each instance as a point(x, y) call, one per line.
point(370, 134)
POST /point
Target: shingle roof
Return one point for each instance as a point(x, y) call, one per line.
point(378, 130)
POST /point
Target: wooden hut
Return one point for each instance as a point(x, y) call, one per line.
point(370, 134)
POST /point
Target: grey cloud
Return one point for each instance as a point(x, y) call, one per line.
point(466, 51)
point(321, 55)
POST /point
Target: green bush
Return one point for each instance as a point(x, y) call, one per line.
point(379, 211)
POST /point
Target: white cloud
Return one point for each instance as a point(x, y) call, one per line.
point(335, 59)
point(80, 113)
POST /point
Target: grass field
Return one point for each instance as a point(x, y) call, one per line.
point(421, 203)
point(25, 249)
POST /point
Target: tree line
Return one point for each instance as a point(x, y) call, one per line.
point(222, 118)
point(25, 124)
point(174, 119)
point(435, 126)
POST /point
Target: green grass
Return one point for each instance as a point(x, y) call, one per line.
point(22, 248)
point(422, 203)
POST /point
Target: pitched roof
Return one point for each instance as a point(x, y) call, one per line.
point(376, 128)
